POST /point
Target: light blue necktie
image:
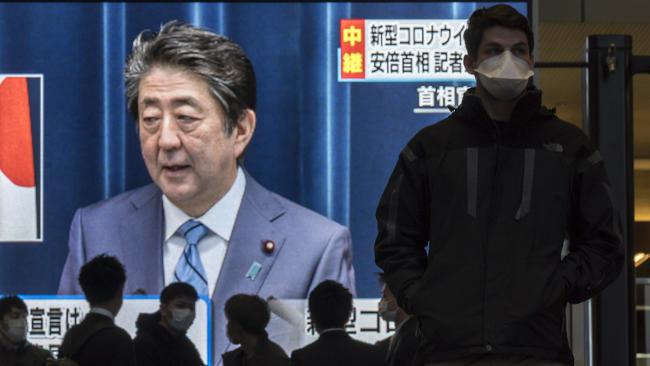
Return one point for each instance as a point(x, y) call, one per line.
point(189, 268)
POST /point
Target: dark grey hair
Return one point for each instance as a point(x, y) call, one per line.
point(220, 62)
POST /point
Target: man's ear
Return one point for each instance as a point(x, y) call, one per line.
point(468, 62)
point(244, 130)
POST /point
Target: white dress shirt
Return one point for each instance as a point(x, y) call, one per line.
point(102, 311)
point(219, 219)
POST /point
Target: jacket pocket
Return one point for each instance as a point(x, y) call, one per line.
point(448, 304)
point(556, 293)
point(535, 311)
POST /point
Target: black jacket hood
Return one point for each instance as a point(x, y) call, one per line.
point(148, 322)
point(528, 109)
point(155, 345)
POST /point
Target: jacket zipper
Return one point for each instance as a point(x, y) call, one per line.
point(492, 208)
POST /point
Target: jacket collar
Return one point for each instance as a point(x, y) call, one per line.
point(269, 206)
point(141, 237)
point(246, 265)
point(527, 110)
point(142, 197)
point(264, 201)
point(334, 333)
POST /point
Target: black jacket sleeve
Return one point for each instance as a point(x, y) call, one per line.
point(403, 221)
point(594, 230)
point(144, 351)
point(124, 350)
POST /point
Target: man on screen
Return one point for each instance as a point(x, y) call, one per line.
point(204, 220)
point(493, 190)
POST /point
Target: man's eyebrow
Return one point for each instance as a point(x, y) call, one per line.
point(176, 102)
point(190, 101)
point(494, 44)
point(499, 45)
point(146, 102)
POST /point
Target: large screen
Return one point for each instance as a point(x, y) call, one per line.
point(341, 88)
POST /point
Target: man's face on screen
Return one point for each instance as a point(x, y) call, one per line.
point(183, 139)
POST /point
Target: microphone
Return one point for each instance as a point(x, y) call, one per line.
point(286, 312)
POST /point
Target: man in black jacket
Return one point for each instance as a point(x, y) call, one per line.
point(14, 347)
point(97, 341)
point(161, 339)
point(330, 306)
point(494, 190)
point(248, 316)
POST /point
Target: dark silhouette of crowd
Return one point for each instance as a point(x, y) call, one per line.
point(161, 337)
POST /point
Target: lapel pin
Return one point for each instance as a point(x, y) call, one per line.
point(268, 246)
point(253, 271)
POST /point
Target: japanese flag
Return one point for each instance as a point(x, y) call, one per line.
point(18, 219)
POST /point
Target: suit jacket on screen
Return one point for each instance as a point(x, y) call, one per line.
point(309, 248)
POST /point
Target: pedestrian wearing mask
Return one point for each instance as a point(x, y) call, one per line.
point(14, 348)
point(400, 347)
point(493, 191)
point(161, 338)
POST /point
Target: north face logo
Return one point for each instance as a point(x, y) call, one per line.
point(554, 147)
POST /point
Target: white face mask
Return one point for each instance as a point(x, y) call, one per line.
point(17, 330)
point(385, 312)
point(504, 76)
point(181, 319)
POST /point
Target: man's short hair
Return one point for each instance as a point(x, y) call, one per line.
point(102, 278)
point(176, 290)
point(220, 62)
point(251, 312)
point(9, 302)
point(330, 305)
point(484, 18)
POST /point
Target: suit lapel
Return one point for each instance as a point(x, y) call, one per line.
point(253, 227)
point(141, 234)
